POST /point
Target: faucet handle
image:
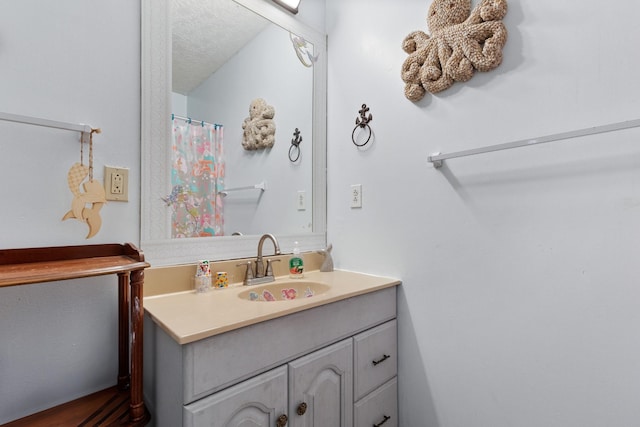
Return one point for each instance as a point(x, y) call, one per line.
point(249, 273)
point(270, 267)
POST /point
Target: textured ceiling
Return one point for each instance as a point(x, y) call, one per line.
point(206, 33)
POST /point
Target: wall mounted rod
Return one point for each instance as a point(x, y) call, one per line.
point(77, 127)
point(437, 159)
point(262, 186)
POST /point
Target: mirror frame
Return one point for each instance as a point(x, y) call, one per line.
point(155, 153)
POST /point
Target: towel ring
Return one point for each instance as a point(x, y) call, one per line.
point(362, 122)
point(294, 149)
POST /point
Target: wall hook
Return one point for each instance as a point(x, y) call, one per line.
point(362, 122)
point(294, 150)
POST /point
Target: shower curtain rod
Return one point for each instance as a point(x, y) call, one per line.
point(190, 120)
point(85, 130)
point(438, 159)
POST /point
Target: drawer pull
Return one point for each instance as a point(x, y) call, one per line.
point(302, 408)
point(385, 357)
point(282, 421)
point(386, 418)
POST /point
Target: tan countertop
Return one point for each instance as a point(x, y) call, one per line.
point(187, 316)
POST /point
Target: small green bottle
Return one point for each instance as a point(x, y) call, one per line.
point(296, 264)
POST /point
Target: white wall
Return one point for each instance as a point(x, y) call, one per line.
point(519, 299)
point(179, 104)
point(75, 61)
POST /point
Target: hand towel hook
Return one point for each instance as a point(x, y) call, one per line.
point(295, 143)
point(362, 122)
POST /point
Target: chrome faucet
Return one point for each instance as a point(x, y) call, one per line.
point(259, 262)
point(261, 276)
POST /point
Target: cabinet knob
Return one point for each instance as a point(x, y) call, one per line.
point(282, 421)
point(302, 408)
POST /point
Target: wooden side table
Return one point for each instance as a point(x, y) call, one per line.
point(49, 264)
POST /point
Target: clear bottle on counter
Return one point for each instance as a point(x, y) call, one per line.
point(296, 263)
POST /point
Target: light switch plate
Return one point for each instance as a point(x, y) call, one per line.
point(301, 200)
point(356, 196)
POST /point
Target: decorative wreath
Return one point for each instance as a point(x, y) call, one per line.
point(259, 128)
point(461, 41)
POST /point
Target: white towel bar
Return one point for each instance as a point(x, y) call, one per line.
point(77, 127)
point(438, 159)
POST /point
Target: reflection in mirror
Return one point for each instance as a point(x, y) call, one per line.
point(225, 57)
point(276, 59)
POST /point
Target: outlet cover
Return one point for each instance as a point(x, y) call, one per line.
point(301, 200)
point(116, 184)
point(356, 196)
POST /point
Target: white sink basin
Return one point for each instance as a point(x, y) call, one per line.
point(284, 291)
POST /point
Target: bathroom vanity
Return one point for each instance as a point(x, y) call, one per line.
point(220, 359)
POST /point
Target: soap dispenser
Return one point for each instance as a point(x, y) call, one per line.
point(296, 264)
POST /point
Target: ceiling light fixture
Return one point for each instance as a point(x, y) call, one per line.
point(290, 5)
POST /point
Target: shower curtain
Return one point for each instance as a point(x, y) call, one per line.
point(197, 178)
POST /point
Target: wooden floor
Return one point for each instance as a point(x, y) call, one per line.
point(109, 407)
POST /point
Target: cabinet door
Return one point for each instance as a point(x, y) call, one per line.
point(257, 402)
point(321, 388)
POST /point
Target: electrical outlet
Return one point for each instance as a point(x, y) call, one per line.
point(301, 200)
point(116, 183)
point(356, 196)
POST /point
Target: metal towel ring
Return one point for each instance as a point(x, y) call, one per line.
point(295, 143)
point(362, 122)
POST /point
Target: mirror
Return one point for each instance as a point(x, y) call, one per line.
point(223, 57)
point(251, 212)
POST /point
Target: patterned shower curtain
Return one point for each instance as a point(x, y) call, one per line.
point(197, 178)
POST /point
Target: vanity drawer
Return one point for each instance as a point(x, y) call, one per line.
point(375, 358)
point(380, 408)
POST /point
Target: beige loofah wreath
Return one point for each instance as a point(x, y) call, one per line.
point(461, 41)
point(259, 128)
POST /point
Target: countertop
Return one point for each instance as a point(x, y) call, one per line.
point(188, 316)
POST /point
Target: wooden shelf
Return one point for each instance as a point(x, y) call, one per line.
point(37, 265)
point(116, 406)
point(108, 407)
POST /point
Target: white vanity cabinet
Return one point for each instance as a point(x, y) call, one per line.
point(312, 368)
